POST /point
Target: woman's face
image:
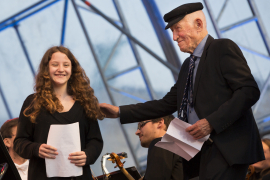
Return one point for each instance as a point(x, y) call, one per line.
point(60, 69)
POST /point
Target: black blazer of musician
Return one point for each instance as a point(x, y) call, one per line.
point(224, 92)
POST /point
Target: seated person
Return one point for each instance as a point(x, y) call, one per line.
point(161, 164)
point(262, 168)
point(8, 132)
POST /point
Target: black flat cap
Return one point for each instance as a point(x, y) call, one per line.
point(180, 12)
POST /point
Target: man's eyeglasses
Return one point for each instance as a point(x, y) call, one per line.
point(141, 124)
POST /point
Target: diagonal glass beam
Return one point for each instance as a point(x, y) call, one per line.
point(21, 12)
point(5, 103)
point(220, 36)
point(102, 75)
point(24, 50)
point(254, 52)
point(13, 23)
point(168, 65)
point(260, 25)
point(222, 10)
point(64, 23)
point(123, 72)
point(92, 11)
point(209, 10)
point(238, 24)
point(135, 51)
point(163, 35)
point(128, 95)
point(112, 52)
point(263, 91)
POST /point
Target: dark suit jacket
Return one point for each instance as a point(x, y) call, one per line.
point(163, 164)
point(224, 92)
point(31, 135)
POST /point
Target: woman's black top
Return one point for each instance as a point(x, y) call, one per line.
point(31, 135)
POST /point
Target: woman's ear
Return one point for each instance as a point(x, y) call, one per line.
point(7, 142)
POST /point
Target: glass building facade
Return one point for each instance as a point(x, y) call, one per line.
point(120, 45)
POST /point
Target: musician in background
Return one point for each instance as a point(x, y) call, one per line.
point(161, 164)
point(8, 132)
point(262, 168)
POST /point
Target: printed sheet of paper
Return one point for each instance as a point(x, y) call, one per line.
point(178, 141)
point(66, 139)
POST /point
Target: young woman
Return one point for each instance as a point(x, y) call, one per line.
point(62, 96)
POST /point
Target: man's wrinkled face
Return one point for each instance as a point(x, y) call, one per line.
point(146, 132)
point(265, 163)
point(185, 34)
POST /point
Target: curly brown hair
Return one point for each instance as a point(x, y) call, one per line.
point(78, 87)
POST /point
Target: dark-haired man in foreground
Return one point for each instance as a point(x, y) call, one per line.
point(214, 92)
point(161, 164)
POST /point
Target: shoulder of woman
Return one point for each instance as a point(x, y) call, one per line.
point(29, 100)
point(30, 97)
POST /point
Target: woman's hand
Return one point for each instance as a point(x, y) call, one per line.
point(78, 158)
point(47, 151)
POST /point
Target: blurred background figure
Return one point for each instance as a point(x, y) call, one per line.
point(262, 168)
point(161, 164)
point(8, 132)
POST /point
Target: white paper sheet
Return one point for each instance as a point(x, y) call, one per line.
point(66, 139)
point(178, 141)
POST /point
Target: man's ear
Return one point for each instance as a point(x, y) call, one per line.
point(199, 24)
point(161, 123)
point(7, 142)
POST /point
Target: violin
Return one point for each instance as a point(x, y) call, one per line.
point(250, 172)
point(116, 159)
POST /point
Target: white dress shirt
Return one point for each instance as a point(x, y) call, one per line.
point(23, 169)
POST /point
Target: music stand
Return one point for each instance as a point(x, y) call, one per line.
point(12, 172)
point(118, 175)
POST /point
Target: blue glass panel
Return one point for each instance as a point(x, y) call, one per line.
point(42, 31)
point(122, 59)
point(9, 8)
point(111, 132)
point(15, 75)
point(131, 83)
point(263, 8)
point(105, 6)
point(234, 11)
point(247, 36)
point(3, 112)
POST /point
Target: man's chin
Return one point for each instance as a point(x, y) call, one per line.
point(145, 145)
point(183, 50)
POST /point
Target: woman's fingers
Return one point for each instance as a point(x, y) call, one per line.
point(47, 151)
point(80, 165)
point(77, 161)
point(78, 158)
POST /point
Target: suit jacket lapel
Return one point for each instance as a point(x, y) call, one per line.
point(201, 66)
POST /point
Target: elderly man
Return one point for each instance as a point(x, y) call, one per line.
point(161, 164)
point(214, 91)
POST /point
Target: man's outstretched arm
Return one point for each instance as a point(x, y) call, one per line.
point(109, 110)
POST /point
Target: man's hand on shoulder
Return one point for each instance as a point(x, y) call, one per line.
point(200, 129)
point(109, 110)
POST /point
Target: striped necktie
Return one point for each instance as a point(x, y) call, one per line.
point(188, 88)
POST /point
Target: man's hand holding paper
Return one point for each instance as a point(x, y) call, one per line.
point(180, 142)
point(200, 129)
